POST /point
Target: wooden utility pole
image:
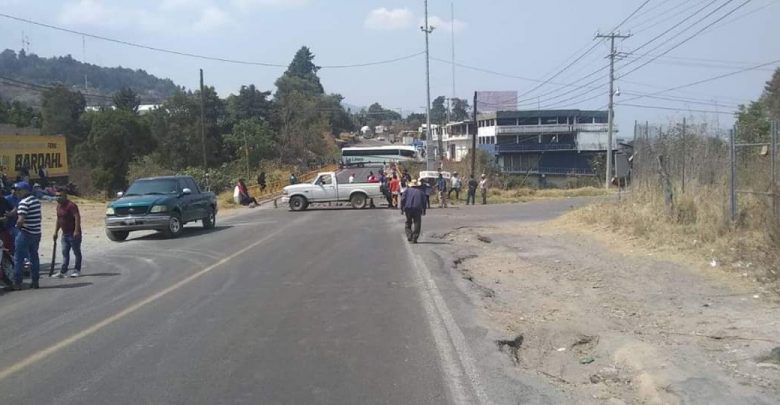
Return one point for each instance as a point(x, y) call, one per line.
point(203, 120)
point(611, 119)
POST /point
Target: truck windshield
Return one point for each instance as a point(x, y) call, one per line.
point(145, 187)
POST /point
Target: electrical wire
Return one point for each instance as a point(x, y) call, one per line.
point(718, 77)
point(198, 56)
point(688, 38)
point(675, 109)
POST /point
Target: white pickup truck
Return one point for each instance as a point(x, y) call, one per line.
point(326, 188)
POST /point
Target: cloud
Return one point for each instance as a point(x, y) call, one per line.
point(180, 16)
point(211, 18)
point(444, 25)
point(250, 4)
point(384, 19)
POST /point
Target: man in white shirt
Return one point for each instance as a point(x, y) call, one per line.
point(483, 188)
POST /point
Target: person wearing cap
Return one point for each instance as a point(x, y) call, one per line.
point(414, 208)
point(29, 238)
point(483, 188)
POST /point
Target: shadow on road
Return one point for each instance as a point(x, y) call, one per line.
point(433, 243)
point(101, 274)
point(74, 285)
point(187, 233)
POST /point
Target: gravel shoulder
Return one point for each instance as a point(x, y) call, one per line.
point(609, 322)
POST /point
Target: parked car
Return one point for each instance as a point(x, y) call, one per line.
point(160, 203)
point(326, 188)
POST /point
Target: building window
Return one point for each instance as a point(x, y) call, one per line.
point(529, 121)
point(506, 121)
point(549, 121)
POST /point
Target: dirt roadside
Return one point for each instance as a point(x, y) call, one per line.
point(610, 323)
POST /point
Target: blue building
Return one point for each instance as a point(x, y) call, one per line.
point(553, 143)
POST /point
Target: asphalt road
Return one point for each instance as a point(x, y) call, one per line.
point(323, 306)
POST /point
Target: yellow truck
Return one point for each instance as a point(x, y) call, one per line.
point(32, 152)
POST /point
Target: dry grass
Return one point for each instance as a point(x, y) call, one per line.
point(498, 196)
point(698, 226)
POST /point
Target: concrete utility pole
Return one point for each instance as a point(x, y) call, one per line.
point(203, 120)
point(611, 118)
point(474, 134)
point(428, 133)
point(452, 30)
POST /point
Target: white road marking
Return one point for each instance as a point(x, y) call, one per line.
point(42, 354)
point(450, 342)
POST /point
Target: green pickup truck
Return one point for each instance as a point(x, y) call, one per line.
point(160, 203)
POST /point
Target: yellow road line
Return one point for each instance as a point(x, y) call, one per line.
point(40, 355)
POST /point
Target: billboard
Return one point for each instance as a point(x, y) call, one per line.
point(34, 151)
point(492, 101)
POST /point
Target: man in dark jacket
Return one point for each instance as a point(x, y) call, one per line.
point(472, 190)
point(414, 208)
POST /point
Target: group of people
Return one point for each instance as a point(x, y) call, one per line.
point(413, 196)
point(21, 229)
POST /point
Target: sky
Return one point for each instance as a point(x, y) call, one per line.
point(499, 45)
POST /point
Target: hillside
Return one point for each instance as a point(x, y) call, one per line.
point(30, 68)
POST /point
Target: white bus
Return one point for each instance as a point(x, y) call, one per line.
point(379, 155)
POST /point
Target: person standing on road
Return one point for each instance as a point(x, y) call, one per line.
point(441, 187)
point(483, 188)
point(69, 220)
point(29, 237)
point(293, 179)
point(351, 178)
point(472, 190)
point(456, 185)
point(395, 190)
point(414, 209)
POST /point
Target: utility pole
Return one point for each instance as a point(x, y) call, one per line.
point(474, 133)
point(611, 119)
point(428, 133)
point(203, 120)
point(684, 127)
point(452, 30)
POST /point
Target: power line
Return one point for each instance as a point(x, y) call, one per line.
point(689, 38)
point(709, 79)
point(655, 38)
point(194, 55)
point(579, 58)
point(680, 100)
point(675, 109)
point(652, 22)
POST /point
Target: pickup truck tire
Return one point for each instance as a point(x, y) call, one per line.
point(117, 236)
point(175, 226)
point(358, 200)
point(298, 203)
point(210, 220)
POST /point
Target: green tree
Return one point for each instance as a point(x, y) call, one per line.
point(300, 76)
point(438, 111)
point(254, 134)
point(19, 114)
point(340, 119)
point(115, 138)
point(61, 110)
point(753, 119)
point(249, 103)
point(460, 109)
point(772, 95)
point(126, 99)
